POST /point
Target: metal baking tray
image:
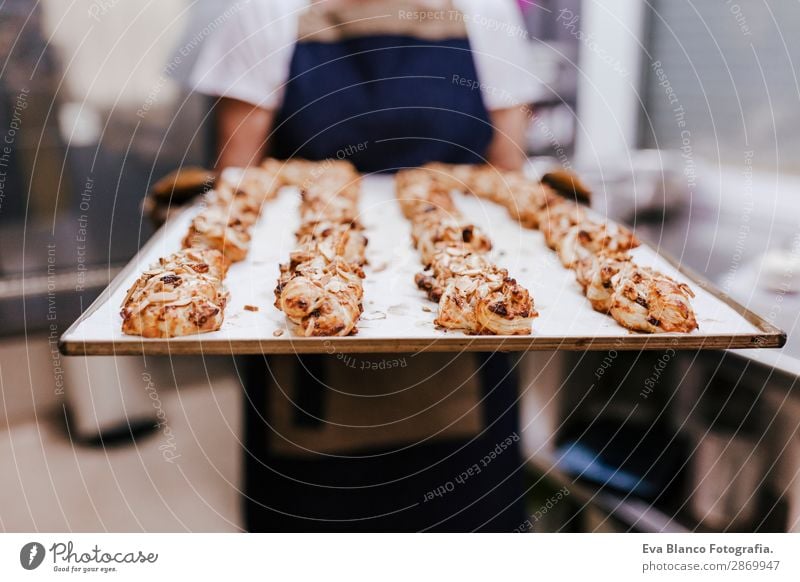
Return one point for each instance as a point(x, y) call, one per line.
point(397, 316)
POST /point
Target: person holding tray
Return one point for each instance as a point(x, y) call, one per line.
point(381, 442)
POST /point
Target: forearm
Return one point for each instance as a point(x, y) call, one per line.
point(507, 150)
point(242, 132)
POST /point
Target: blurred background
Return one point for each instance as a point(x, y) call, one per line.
point(681, 115)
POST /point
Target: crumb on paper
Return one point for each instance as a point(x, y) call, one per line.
point(278, 332)
point(427, 309)
point(251, 307)
point(373, 316)
point(380, 267)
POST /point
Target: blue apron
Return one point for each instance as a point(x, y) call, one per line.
point(396, 96)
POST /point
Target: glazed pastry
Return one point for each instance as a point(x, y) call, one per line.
point(589, 238)
point(529, 202)
point(181, 296)
point(449, 263)
point(215, 228)
point(201, 261)
point(649, 301)
point(504, 306)
point(597, 274)
point(490, 303)
point(458, 306)
point(321, 298)
point(257, 184)
point(334, 238)
point(555, 220)
point(435, 229)
point(320, 288)
point(418, 192)
point(234, 203)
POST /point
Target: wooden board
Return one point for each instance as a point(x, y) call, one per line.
point(397, 316)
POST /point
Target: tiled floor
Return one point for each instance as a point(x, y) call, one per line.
point(49, 484)
point(184, 477)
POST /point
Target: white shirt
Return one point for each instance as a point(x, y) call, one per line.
point(247, 57)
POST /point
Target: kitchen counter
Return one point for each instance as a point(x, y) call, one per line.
point(722, 230)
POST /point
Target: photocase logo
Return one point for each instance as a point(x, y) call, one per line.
point(31, 555)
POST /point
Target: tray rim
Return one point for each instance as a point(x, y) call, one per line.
point(770, 336)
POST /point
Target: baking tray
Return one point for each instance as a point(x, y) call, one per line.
point(397, 316)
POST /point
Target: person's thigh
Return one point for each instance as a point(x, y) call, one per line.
point(452, 485)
